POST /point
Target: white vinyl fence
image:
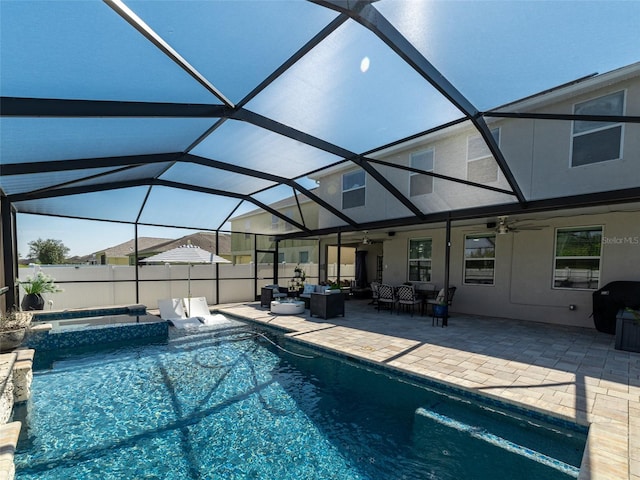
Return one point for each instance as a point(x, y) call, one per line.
point(104, 285)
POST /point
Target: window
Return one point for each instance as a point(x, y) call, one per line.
point(481, 166)
point(595, 142)
point(289, 214)
point(303, 257)
point(421, 184)
point(420, 260)
point(479, 259)
point(379, 265)
point(353, 189)
point(275, 221)
point(577, 259)
point(280, 257)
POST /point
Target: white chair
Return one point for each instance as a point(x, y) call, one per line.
point(198, 307)
point(173, 312)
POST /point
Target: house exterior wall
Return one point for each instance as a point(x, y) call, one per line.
point(524, 264)
point(539, 155)
point(260, 221)
point(539, 151)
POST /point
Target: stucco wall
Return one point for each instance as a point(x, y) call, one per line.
point(524, 268)
point(538, 153)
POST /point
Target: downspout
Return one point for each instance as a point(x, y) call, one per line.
point(255, 266)
point(339, 256)
point(9, 252)
point(276, 264)
point(447, 264)
point(217, 268)
point(135, 261)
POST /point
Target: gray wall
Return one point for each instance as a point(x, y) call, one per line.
point(524, 268)
point(538, 153)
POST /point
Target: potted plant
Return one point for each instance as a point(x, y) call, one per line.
point(440, 309)
point(13, 327)
point(34, 287)
point(298, 272)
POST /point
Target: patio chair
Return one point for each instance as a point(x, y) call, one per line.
point(375, 286)
point(406, 296)
point(386, 296)
point(172, 311)
point(268, 293)
point(439, 300)
point(198, 307)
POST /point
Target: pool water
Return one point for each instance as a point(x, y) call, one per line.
point(84, 323)
point(224, 403)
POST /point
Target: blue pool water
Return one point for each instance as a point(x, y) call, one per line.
point(224, 403)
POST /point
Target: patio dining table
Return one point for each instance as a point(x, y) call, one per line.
point(425, 294)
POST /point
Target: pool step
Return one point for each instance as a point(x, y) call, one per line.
point(9, 433)
point(23, 375)
point(482, 434)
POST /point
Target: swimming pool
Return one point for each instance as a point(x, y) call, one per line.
point(77, 328)
point(224, 403)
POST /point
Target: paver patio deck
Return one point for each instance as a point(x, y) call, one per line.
point(568, 372)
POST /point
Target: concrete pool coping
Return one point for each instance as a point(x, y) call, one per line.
point(566, 372)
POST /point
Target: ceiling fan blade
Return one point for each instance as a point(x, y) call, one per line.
point(528, 227)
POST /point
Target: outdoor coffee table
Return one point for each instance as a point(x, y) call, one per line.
point(287, 307)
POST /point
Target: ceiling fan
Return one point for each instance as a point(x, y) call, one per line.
point(503, 226)
point(367, 241)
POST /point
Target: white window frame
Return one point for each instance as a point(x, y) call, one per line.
point(488, 155)
point(555, 276)
point(600, 127)
point(353, 189)
point(421, 259)
point(413, 174)
point(470, 259)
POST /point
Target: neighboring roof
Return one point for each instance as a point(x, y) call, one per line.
point(127, 248)
point(249, 99)
point(204, 240)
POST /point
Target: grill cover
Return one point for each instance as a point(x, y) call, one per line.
point(610, 299)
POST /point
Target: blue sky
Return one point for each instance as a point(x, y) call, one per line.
point(83, 236)
point(493, 52)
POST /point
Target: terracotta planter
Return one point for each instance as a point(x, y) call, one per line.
point(32, 301)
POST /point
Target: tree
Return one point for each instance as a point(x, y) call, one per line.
point(48, 252)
